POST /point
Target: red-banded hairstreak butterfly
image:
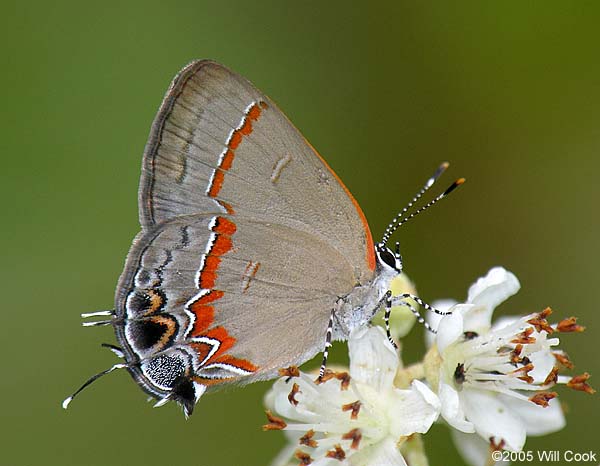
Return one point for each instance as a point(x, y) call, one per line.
point(253, 255)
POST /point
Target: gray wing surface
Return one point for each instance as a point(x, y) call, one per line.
point(220, 145)
point(277, 293)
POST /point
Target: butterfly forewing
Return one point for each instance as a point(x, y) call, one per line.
point(218, 143)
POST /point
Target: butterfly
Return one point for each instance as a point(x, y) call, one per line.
point(252, 255)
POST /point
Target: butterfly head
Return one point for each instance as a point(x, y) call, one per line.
point(387, 259)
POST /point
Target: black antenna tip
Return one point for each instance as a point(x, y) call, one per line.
point(453, 186)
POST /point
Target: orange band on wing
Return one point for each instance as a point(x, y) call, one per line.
point(235, 139)
point(224, 227)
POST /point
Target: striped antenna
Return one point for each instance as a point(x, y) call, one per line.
point(394, 223)
point(451, 188)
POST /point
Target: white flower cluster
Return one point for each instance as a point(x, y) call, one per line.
point(490, 383)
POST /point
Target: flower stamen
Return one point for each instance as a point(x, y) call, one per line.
point(275, 423)
point(307, 439)
point(292, 396)
point(563, 359)
point(540, 323)
point(304, 458)
point(337, 453)
point(542, 398)
point(569, 325)
point(497, 446)
point(289, 372)
point(579, 383)
point(525, 337)
point(355, 436)
point(354, 407)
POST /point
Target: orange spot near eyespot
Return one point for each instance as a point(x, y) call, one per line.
point(224, 226)
point(221, 245)
point(243, 364)
point(202, 349)
point(205, 315)
point(209, 272)
point(227, 160)
point(217, 183)
point(210, 297)
point(227, 341)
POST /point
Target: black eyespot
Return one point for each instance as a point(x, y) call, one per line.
point(147, 333)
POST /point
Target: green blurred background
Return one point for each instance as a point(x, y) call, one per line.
point(509, 92)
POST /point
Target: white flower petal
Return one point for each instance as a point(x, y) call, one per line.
point(434, 319)
point(473, 449)
point(537, 419)
point(488, 292)
point(373, 360)
point(503, 321)
point(384, 453)
point(451, 327)
point(412, 410)
point(492, 418)
point(452, 411)
point(543, 362)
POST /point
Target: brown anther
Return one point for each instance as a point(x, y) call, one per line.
point(569, 325)
point(525, 370)
point(540, 323)
point(552, 377)
point(344, 378)
point(515, 356)
point(275, 423)
point(579, 383)
point(354, 407)
point(355, 436)
point(542, 398)
point(327, 375)
point(304, 458)
point(289, 372)
point(497, 446)
point(307, 439)
point(525, 337)
point(563, 358)
point(337, 453)
point(292, 395)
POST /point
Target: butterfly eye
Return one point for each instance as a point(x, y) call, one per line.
point(387, 258)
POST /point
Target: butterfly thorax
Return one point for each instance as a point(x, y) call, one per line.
point(361, 304)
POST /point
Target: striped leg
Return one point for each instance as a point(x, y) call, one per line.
point(421, 303)
point(399, 301)
point(417, 315)
point(327, 345)
point(386, 318)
